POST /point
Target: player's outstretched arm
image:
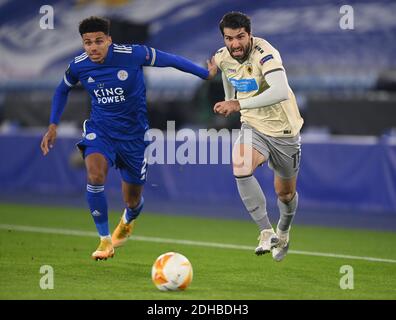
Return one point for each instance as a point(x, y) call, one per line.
point(164, 59)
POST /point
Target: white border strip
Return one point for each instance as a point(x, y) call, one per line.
point(154, 56)
point(67, 82)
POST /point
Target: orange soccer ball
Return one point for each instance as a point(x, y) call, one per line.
point(172, 271)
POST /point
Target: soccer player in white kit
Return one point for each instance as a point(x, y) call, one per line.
point(255, 85)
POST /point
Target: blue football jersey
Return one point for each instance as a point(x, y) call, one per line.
point(116, 87)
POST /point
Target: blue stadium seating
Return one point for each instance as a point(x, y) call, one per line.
point(316, 51)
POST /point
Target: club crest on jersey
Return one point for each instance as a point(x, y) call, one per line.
point(122, 75)
point(249, 69)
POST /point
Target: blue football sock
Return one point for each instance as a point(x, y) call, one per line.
point(98, 205)
point(132, 214)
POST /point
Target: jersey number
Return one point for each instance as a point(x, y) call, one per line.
point(296, 158)
point(143, 172)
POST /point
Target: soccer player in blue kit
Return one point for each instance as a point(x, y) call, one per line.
point(114, 135)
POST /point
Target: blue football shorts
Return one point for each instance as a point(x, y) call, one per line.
point(126, 155)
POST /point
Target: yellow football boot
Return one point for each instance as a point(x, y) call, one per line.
point(122, 233)
point(104, 251)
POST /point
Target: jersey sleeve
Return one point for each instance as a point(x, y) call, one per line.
point(70, 77)
point(270, 62)
point(217, 58)
point(144, 55)
point(59, 99)
point(276, 92)
point(147, 56)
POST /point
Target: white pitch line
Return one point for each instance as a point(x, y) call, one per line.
point(69, 232)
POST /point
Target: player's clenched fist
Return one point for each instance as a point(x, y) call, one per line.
point(225, 108)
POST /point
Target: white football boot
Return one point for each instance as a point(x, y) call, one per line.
point(267, 241)
point(280, 251)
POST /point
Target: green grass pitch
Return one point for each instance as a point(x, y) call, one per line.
point(219, 272)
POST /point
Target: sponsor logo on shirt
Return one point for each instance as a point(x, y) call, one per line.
point(244, 85)
point(266, 58)
point(90, 80)
point(110, 95)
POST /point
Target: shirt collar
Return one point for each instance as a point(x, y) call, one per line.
point(109, 54)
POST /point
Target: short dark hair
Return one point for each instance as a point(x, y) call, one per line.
point(94, 24)
point(235, 20)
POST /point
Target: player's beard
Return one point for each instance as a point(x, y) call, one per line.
point(246, 51)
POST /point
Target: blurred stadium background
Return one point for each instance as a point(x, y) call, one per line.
point(344, 80)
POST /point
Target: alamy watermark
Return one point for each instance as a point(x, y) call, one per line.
point(347, 280)
point(347, 19)
point(47, 280)
point(47, 20)
point(205, 146)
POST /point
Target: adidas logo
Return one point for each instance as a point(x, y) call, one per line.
point(90, 80)
point(95, 213)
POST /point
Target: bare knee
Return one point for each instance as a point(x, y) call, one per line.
point(245, 160)
point(132, 202)
point(285, 197)
point(96, 165)
point(241, 171)
point(241, 167)
point(96, 177)
point(285, 188)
